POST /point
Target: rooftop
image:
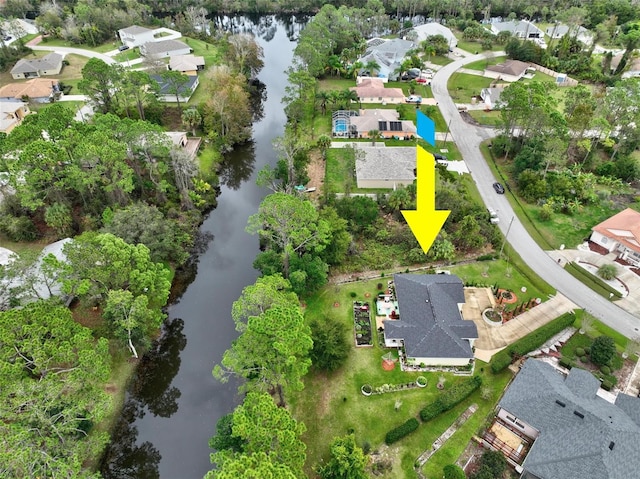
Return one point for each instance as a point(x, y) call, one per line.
point(624, 227)
point(510, 67)
point(164, 46)
point(386, 163)
point(34, 88)
point(374, 88)
point(135, 30)
point(48, 62)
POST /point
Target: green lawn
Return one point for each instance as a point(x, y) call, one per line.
point(208, 51)
point(463, 86)
point(489, 118)
point(57, 42)
point(332, 404)
point(484, 63)
point(128, 55)
point(439, 60)
point(475, 47)
point(208, 158)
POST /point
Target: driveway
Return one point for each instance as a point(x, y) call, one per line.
point(468, 139)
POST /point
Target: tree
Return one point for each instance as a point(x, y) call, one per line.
point(291, 225)
point(289, 147)
point(336, 250)
point(330, 344)
point(603, 350)
point(248, 466)
point(453, 471)
point(98, 83)
point(347, 461)
point(607, 271)
point(185, 171)
point(268, 291)
point(176, 82)
point(224, 438)
point(492, 465)
point(192, 119)
point(245, 54)
point(374, 135)
point(468, 236)
point(272, 353)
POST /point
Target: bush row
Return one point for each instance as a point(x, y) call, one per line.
point(448, 399)
point(531, 341)
point(401, 431)
point(591, 280)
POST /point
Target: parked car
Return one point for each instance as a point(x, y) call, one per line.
point(6, 38)
point(123, 47)
point(499, 188)
point(440, 157)
point(413, 99)
point(493, 217)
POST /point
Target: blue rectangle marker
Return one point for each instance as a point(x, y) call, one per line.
point(426, 128)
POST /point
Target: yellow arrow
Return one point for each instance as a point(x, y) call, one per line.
point(425, 222)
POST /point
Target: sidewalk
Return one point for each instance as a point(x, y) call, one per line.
point(492, 339)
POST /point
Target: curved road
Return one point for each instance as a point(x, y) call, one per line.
point(76, 51)
point(468, 139)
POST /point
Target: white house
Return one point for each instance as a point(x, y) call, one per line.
point(134, 36)
point(187, 64)
point(164, 49)
point(580, 33)
point(518, 28)
point(12, 112)
point(431, 327)
point(388, 54)
point(621, 234)
point(434, 28)
point(385, 121)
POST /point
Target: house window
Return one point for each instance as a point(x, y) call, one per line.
point(395, 126)
point(379, 98)
point(382, 125)
point(604, 240)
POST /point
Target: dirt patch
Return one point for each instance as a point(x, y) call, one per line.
point(315, 172)
point(88, 316)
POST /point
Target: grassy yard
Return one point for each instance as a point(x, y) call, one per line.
point(463, 86)
point(490, 118)
point(332, 405)
point(208, 51)
point(72, 71)
point(128, 55)
point(208, 159)
point(440, 60)
point(475, 47)
point(57, 42)
point(480, 65)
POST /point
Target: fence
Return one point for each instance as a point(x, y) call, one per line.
point(567, 81)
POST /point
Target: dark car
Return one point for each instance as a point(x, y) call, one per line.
point(123, 47)
point(499, 188)
point(6, 38)
point(439, 157)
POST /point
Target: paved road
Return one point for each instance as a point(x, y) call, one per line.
point(76, 51)
point(468, 139)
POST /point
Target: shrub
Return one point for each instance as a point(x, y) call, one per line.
point(580, 352)
point(530, 342)
point(587, 351)
point(485, 257)
point(379, 285)
point(447, 400)
point(353, 294)
point(607, 271)
point(605, 369)
point(566, 362)
point(452, 471)
point(401, 431)
point(584, 359)
point(607, 385)
point(602, 350)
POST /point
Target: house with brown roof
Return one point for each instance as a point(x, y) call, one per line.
point(50, 64)
point(509, 71)
point(372, 90)
point(386, 122)
point(621, 234)
point(39, 90)
point(12, 112)
point(187, 64)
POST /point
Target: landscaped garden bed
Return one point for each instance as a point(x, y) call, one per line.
point(362, 323)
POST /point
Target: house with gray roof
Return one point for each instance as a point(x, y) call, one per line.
point(491, 97)
point(518, 28)
point(579, 32)
point(431, 327)
point(167, 92)
point(383, 120)
point(50, 64)
point(164, 49)
point(556, 426)
point(385, 167)
point(388, 54)
point(433, 28)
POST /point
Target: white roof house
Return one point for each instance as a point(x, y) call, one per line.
point(434, 28)
point(518, 28)
point(582, 34)
point(135, 35)
point(388, 54)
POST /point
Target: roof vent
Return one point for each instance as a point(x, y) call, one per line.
point(611, 444)
point(560, 403)
point(579, 414)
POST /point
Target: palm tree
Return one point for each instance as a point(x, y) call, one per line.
point(323, 97)
point(348, 96)
point(191, 118)
point(354, 69)
point(373, 67)
point(428, 49)
point(334, 65)
point(373, 134)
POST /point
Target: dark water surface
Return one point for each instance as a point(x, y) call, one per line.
point(174, 402)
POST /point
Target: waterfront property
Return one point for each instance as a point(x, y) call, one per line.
point(385, 167)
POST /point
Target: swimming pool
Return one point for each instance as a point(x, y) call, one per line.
point(340, 126)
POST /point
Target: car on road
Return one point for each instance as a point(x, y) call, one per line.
point(6, 38)
point(123, 47)
point(439, 157)
point(413, 99)
point(499, 188)
point(493, 216)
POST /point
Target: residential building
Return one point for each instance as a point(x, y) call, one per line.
point(434, 28)
point(580, 33)
point(385, 167)
point(518, 28)
point(388, 54)
point(165, 93)
point(12, 112)
point(39, 90)
point(555, 426)
point(620, 234)
point(631, 70)
point(386, 122)
point(164, 49)
point(509, 71)
point(372, 90)
point(135, 36)
point(491, 97)
point(431, 328)
point(180, 140)
point(187, 64)
point(50, 64)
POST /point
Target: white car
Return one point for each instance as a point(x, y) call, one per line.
point(413, 99)
point(493, 217)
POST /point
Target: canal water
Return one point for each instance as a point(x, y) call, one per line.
point(174, 402)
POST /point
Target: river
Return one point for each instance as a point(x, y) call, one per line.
point(174, 402)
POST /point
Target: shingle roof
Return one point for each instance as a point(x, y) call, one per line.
point(34, 88)
point(374, 88)
point(185, 63)
point(434, 28)
point(623, 227)
point(430, 323)
point(48, 62)
point(510, 67)
point(522, 26)
point(386, 163)
point(369, 120)
point(165, 88)
point(135, 30)
point(164, 46)
point(601, 442)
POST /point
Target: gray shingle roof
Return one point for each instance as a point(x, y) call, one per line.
point(570, 446)
point(164, 46)
point(165, 88)
point(386, 163)
point(47, 62)
point(430, 323)
point(135, 30)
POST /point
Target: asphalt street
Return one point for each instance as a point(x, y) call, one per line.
point(468, 139)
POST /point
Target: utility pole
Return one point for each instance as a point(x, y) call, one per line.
point(446, 133)
point(506, 235)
